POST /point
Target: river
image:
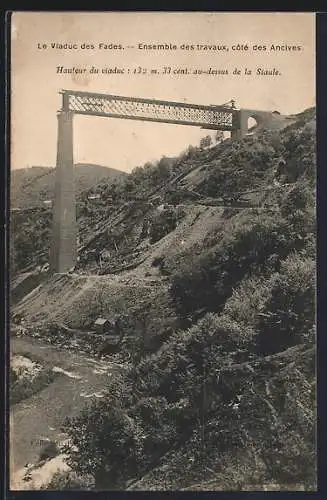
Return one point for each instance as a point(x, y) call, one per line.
point(79, 379)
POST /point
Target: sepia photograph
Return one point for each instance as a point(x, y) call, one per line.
point(162, 251)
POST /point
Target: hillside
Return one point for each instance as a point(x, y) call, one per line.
point(208, 261)
point(33, 185)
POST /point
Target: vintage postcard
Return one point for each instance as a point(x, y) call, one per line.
point(163, 251)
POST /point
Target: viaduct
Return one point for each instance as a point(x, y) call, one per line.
point(63, 251)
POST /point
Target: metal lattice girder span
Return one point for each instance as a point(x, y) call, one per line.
point(112, 106)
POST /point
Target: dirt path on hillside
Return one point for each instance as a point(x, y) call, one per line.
point(79, 379)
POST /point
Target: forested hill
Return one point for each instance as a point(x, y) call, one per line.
point(31, 186)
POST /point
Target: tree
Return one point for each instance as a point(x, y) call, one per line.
point(105, 443)
point(162, 170)
point(191, 151)
point(219, 137)
point(205, 142)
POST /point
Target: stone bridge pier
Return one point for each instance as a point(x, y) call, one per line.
point(270, 119)
point(63, 251)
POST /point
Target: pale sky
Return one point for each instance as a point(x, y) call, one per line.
point(124, 144)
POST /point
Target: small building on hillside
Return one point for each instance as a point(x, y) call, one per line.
point(102, 325)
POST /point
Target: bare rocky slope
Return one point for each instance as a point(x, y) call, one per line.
point(209, 260)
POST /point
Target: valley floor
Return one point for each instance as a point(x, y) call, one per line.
point(39, 417)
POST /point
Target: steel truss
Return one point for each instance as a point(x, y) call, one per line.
point(133, 108)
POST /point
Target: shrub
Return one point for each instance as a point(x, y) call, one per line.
point(162, 224)
point(159, 427)
point(256, 247)
point(291, 452)
point(176, 371)
point(247, 300)
point(241, 165)
point(299, 154)
point(300, 197)
point(289, 313)
point(69, 481)
point(106, 444)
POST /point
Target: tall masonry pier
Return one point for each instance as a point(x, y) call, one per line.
point(64, 231)
point(63, 252)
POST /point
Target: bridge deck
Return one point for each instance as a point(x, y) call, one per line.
point(133, 108)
